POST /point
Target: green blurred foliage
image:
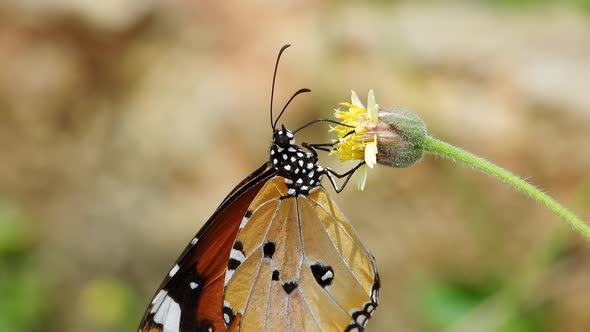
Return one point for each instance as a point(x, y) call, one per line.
point(110, 304)
point(106, 303)
point(24, 297)
point(446, 302)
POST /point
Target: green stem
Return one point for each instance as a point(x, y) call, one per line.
point(433, 145)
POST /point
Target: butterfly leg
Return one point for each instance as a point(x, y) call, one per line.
point(314, 147)
point(331, 174)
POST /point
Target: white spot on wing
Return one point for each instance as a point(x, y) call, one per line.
point(361, 319)
point(158, 300)
point(327, 275)
point(375, 295)
point(193, 285)
point(236, 254)
point(168, 315)
point(194, 241)
point(228, 275)
point(174, 270)
point(244, 222)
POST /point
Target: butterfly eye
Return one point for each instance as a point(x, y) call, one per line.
point(282, 140)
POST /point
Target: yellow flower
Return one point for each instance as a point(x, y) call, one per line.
point(356, 137)
point(389, 136)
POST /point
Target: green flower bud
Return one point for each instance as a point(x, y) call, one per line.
point(400, 134)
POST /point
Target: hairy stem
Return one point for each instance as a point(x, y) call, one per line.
point(438, 147)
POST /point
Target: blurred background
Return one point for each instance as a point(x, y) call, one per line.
point(123, 124)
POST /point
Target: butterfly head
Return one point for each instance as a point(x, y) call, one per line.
point(283, 138)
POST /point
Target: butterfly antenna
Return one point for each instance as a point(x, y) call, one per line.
point(274, 77)
point(300, 91)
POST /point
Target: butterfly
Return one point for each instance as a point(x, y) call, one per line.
point(276, 255)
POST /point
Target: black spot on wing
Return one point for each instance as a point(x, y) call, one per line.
point(275, 275)
point(375, 289)
point(289, 287)
point(269, 249)
point(323, 274)
point(239, 246)
point(233, 264)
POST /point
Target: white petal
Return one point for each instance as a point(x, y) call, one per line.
point(371, 153)
point(372, 108)
point(355, 99)
point(362, 177)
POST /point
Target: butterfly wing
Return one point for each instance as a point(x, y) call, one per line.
point(299, 265)
point(190, 297)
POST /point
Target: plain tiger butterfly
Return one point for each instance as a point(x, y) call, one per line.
point(276, 255)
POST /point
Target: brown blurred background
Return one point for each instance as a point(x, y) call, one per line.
point(124, 123)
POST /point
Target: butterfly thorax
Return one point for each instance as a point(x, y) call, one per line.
point(299, 167)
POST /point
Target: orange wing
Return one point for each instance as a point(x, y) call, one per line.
point(191, 296)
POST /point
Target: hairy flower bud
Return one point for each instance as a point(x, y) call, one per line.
point(400, 134)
